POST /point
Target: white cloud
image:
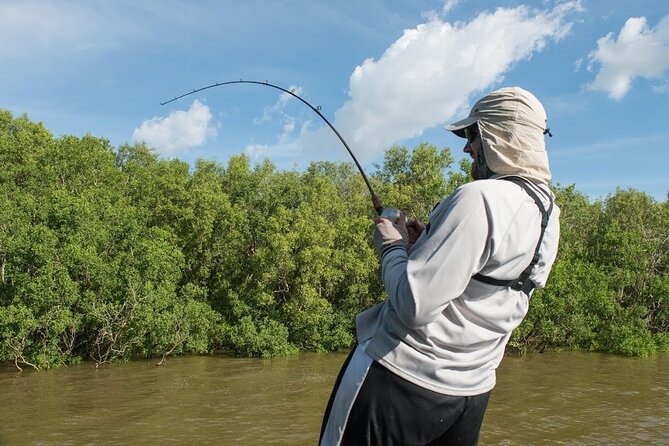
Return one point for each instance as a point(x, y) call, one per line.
point(178, 131)
point(279, 107)
point(288, 127)
point(445, 9)
point(427, 76)
point(287, 138)
point(639, 51)
point(448, 5)
point(662, 88)
point(289, 142)
point(256, 151)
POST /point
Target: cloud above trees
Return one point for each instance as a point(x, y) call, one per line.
point(428, 75)
point(179, 131)
point(639, 51)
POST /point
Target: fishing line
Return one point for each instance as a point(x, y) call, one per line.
point(390, 213)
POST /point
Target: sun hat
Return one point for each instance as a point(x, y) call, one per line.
point(512, 123)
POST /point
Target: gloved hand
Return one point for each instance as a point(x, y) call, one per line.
point(415, 228)
point(388, 234)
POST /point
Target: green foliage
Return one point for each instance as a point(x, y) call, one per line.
point(86, 270)
point(609, 287)
point(265, 338)
point(415, 181)
point(113, 254)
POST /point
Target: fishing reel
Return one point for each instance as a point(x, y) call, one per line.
point(392, 214)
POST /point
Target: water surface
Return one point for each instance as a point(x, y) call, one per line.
point(547, 399)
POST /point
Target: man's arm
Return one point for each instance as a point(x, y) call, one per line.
point(442, 262)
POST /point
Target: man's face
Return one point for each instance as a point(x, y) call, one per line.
point(473, 147)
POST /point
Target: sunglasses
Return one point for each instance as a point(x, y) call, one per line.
point(471, 133)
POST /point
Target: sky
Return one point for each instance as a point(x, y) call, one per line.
point(382, 72)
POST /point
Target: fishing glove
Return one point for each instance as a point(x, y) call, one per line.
point(388, 234)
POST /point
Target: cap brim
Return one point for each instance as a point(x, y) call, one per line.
point(459, 127)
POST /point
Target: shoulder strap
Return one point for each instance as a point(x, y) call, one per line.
point(523, 282)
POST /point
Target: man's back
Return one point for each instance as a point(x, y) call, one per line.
point(440, 328)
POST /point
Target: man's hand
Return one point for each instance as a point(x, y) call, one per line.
point(389, 234)
point(415, 229)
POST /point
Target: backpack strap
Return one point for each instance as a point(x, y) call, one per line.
point(523, 282)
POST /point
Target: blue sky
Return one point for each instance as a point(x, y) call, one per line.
point(384, 73)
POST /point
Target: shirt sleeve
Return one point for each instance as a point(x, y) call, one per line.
point(443, 260)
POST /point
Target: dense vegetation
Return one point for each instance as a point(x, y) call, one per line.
point(110, 254)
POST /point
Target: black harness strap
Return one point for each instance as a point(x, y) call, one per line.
point(523, 282)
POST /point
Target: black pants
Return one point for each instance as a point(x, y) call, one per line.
point(388, 410)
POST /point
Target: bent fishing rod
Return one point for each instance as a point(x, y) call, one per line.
point(391, 213)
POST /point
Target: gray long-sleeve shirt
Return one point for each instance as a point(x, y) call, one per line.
point(439, 328)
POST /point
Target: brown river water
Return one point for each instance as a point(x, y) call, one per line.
point(541, 399)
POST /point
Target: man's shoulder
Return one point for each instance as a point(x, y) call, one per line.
point(495, 195)
point(497, 187)
point(479, 185)
point(469, 198)
point(481, 189)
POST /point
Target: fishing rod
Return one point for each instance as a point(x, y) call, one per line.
point(391, 213)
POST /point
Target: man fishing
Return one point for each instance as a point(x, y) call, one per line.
point(424, 366)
